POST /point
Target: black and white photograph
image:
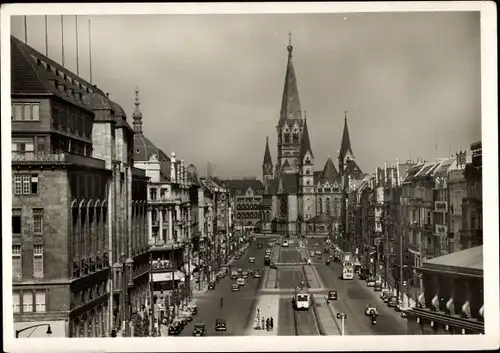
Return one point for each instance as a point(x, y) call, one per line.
point(222, 171)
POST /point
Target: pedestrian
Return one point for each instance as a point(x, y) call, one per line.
point(267, 324)
point(272, 323)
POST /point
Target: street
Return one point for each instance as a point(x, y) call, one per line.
point(238, 307)
point(353, 296)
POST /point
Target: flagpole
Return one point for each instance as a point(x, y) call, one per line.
point(62, 38)
point(25, 30)
point(46, 38)
point(77, 59)
point(90, 52)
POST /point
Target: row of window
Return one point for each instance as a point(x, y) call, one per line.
point(242, 215)
point(26, 111)
point(17, 263)
point(17, 227)
point(70, 122)
point(247, 206)
point(25, 184)
point(32, 301)
point(27, 144)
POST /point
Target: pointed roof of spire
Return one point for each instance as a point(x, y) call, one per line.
point(346, 141)
point(329, 172)
point(137, 116)
point(290, 105)
point(306, 143)
point(267, 155)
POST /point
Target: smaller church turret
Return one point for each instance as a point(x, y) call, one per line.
point(267, 164)
point(345, 153)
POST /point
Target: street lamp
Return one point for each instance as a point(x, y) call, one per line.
point(342, 317)
point(49, 330)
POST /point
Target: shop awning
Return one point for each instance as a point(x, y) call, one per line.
point(167, 276)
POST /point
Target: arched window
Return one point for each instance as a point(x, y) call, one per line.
point(328, 208)
point(286, 136)
point(320, 205)
point(295, 136)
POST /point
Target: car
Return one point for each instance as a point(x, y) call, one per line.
point(256, 274)
point(378, 286)
point(392, 301)
point(318, 252)
point(245, 274)
point(185, 314)
point(319, 257)
point(199, 329)
point(175, 328)
point(384, 295)
point(312, 253)
point(220, 325)
point(332, 295)
point(211, 285)
point(371, 310)
point(370, 282)
point(235, 287)
point(240, 281)
point(251, 260)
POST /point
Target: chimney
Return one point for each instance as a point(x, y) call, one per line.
point(172, 167)
point(385, 173)
point(397, 173)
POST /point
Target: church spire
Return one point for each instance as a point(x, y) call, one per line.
point(290, 105)
point(345, 146)
point(267, 155)
point(137, 116)
point(306, 143)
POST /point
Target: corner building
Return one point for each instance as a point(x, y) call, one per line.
point(302, 199)
point(75, 256)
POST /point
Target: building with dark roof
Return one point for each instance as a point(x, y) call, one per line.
point(299, 194)
point(453, 298)
point(472, 204)
point(76, 261)
point(246, 195)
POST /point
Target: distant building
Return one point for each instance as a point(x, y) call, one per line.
point(472, 204)
point(247, 196)
point(453, 298)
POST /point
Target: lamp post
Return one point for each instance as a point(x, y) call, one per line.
point(342, 317)
point(48, 332)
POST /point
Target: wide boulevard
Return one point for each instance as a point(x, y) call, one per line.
point(276, 287)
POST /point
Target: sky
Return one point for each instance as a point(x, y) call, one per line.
point(211, 85)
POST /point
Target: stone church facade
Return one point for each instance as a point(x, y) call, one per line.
point(302, 199)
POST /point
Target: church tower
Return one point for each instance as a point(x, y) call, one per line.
point(267, 164)
point(291, 123)
point(345, 154)
point(306, 177)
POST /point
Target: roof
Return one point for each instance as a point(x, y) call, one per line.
point(306, 143)
point(469, 261)
point(322, 219)
point(242, 185)
point(267, 155)
point(34, 73)
point(329, 172)
point(290, 104)
point(412, 171)
point(442, 170)
point(345, 146)
point(353, 170)
point(193, 175)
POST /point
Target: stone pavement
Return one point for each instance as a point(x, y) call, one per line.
point(268, 306)
point(325, 316)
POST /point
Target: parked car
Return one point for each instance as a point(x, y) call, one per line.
point(251, 260)
point(185, 314)
point(220, 325)
point(378, 286)
point(235, 287)
point(245, 274)
point(211, 285)
point(175, 328)
point(256, 274)
point(384, 295)
point(240, 281)
point(370, 282)
point(199, 329)
point(392, 301)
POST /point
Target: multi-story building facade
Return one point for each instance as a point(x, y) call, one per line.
point(472, 204)
point(168, 216)
point(452, 301)
point(246, 194)
point(456, 193)
point(73, 201)
point(441, 209)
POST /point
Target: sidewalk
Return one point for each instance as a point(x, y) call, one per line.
point(325, 316)
point(267, 306)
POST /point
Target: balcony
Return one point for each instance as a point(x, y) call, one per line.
point(63, 158)
point(165, 200)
